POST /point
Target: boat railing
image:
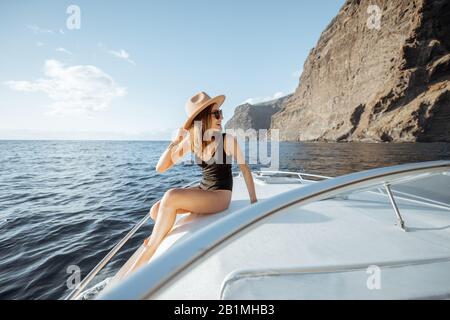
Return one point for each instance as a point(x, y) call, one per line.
point(300, 175)
point(166, 269)
point(74, 294)
point(83, 284)
point(386, 191)
point(416, 199)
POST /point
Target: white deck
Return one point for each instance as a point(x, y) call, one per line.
point(329, 236)
point(320, 250)
point(190, 223)
point(187, 224)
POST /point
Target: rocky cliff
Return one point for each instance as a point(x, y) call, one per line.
point(376, 74)
point(257, 116)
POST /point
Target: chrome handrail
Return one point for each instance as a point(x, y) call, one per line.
point(146, 282)
point(78, 289)
point(299, 174)
point(401, 222)
point(421, 200)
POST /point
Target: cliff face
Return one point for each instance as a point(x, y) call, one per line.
point(361, 83)
point(258, 116)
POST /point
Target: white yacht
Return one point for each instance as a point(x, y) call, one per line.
point(377, 234)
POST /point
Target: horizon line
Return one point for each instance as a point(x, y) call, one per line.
point(2, 139)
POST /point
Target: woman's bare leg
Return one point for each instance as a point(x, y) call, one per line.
point(191, 200)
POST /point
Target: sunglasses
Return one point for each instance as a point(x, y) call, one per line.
point(217, 114)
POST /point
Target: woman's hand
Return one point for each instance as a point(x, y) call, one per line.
point(253, 200)
point(175, 151)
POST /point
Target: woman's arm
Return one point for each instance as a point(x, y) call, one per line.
point(232, 147)
point(174, 152)
point(246, 172)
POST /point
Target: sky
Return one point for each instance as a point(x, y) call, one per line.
point(123, 70)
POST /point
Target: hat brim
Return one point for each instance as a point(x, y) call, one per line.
point(216, 100)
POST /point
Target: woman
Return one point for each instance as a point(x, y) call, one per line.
point(213, 152)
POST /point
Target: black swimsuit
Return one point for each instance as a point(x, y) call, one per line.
point(216, 176)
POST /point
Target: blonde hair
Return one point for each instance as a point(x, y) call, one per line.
point(196, 132)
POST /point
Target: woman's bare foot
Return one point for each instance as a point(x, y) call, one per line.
point(133, 263)
point(147, 253)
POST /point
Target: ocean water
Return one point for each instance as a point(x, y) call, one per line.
point(66, 203)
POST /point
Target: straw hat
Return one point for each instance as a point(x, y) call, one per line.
point(199, 102)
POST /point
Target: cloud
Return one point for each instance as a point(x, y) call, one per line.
point(122, 54)
point(79, 89)
point(64, 50)
point(38, 30)
point(257, 100)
